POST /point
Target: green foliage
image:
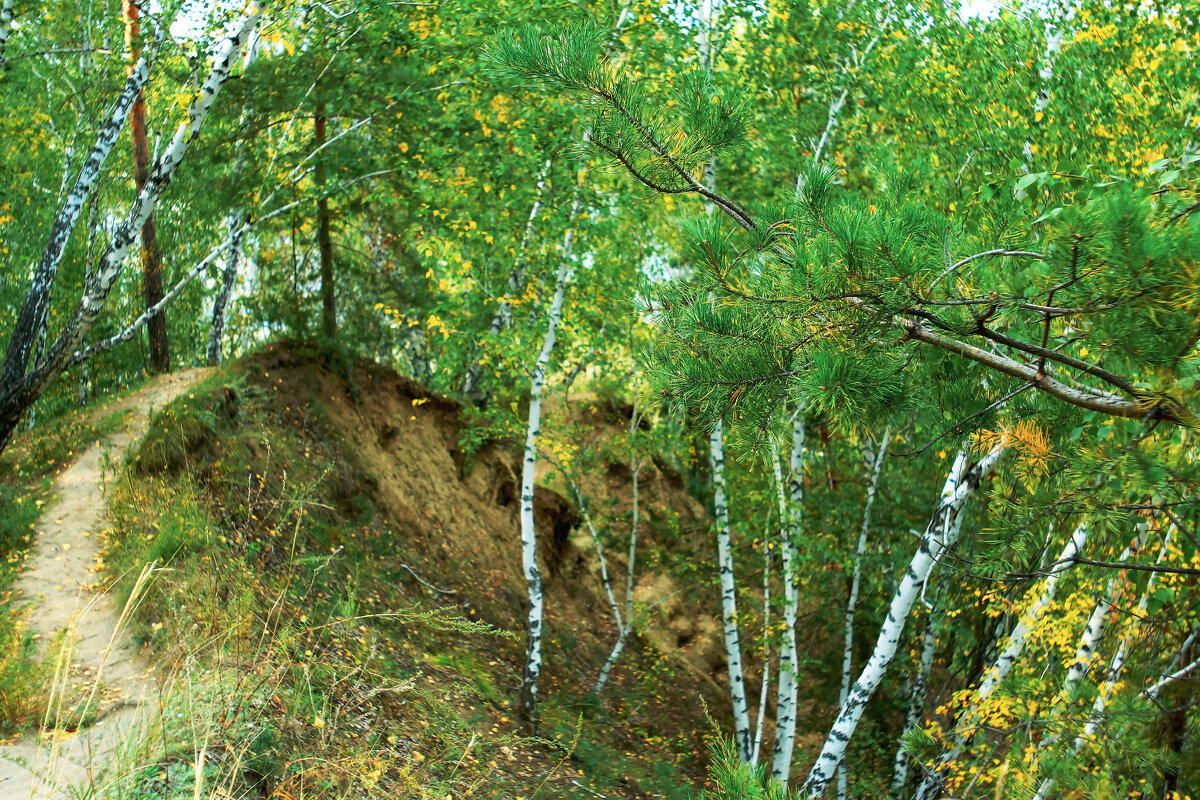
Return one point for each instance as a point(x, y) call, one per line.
point(736, 780)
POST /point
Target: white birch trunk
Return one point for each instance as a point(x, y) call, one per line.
point(516, 277)
point(729, 618)
point(533, 577)
point(1041, 100)
point(965, 728)
point(860, 549)
point(838, 103)
point(765, 678)
point(31, 322)
point(938, 536)
point(916, 700)
point(624, 628)
point(1089, 641)
point(1115, 667)
point(234, 222)
point(14, 398)
point(787, 687)
point(6, 17)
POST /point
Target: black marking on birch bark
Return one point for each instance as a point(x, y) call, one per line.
point(32, 318)
point(17, 394)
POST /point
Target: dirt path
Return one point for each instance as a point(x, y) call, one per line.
point(58, 578)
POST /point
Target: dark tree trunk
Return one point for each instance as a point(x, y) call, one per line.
point(324, 242)
point(160, 357)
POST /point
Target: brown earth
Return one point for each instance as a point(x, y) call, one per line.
point(60, 581)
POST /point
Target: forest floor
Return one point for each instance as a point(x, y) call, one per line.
point(337, 602)
point(77, 623)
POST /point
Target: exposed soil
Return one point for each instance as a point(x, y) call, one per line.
point(60, 581)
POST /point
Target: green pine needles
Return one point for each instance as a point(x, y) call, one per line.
point(841, 300)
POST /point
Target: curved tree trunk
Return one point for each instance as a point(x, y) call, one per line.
point(17, 389)
point(938, 537)
point(860, 549)
point(967, 723)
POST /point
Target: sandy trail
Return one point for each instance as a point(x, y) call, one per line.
point(58, 578)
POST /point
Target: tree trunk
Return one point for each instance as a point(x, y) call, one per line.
point(765, 677)
point(324, 242)
point(1177, 701)
point(729, 620)
point(156, 328)
point(216, 329)
point(18, 390)
point(31, 320)
point(1089, 642)
point(6, 16)
point(967, 724)
point(787, 686)
point(1109, 687)
point(528, 701)
point(625, 628)
point(516, 278)
point(1041, 100)
point(860, 550)
point(939, 536)
point(916, 701)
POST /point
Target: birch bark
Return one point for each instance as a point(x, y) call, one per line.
point(233, 222)
point(916, 700)
point(764, 690)
point(32, 318)
point(516, 277)
point(787, 687)
point(6, 17)
point(625, 625)
point(19, 392)
point(528, 702)
point(729, 617)
point(1008, 657)
point(939, 536)
point(1115, 667)
point(860, 549)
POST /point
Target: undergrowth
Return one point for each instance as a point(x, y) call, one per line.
point(27, 471)
point(304, 657)
point(297, 670)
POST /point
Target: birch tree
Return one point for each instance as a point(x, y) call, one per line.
point(965, 726)
point(6, 18)
point(18, 388)
point(233, 222)
point(860, 550)
point(1077, 671)
point(516, 277)
point(940, 535)
point(791, 516)
point(626, 621)
point(729, 611)
point(531, 676)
